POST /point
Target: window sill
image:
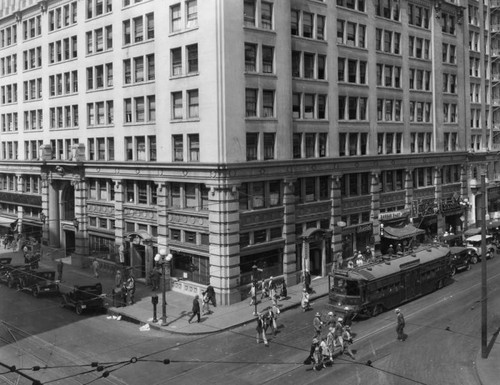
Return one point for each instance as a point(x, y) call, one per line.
point(191, 120)
point(183, 76)
point(134, 44)
point(96, 126)
point(261, 119)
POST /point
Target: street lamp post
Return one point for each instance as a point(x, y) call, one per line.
point(464, 203)
point(163, 258)
point(484, 287)
point(254, 282)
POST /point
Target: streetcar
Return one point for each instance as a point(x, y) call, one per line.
point(370, 289)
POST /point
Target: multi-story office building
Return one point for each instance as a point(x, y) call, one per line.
point(236, 133)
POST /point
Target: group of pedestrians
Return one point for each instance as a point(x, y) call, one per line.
point(208, 297)
point(270, 289)
point(323, 347)
point(124, 287)
point(267, 319)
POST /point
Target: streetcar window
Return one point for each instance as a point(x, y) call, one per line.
point(346, 286)
point(351, 288)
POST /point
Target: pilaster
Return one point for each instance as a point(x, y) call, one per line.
point(20, 208)
point(224, 246)
point(81, 219)
point(119, 219)
point(289, 252)
point(162, 194)
point(375, 208)
point(336, 215)
point(45, 208)
point(438, 195)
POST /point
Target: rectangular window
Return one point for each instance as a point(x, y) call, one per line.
point(191, 14)
point(178, 148)
point(192, 58)
point(269, 143)
point(268, 103)
point(266, 15)
point(194, 147)
point(267, 59)
point(252, 145)
point(193, 104)
point(177, 105)
point(176, 58)
point(250, 102)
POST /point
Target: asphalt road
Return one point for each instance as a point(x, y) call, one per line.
point(443, 331)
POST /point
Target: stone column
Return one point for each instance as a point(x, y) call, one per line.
point(336, 215)
point(375, 209)
point(289, 252)
point(81, 226)
point(224, 242)
point(119, 221)
point(45, 208)
point(408, 188)
point(438, 196)
point(162, 204)
point(20, 208)
point(54, 219)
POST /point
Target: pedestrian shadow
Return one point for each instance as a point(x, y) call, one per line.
point(492, 342)
point(183, 314)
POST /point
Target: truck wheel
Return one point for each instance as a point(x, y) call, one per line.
point(474, 259)
point(453, 271)
point(78, 309)
point(468, 267)
point(35, 292)
point(10, 283)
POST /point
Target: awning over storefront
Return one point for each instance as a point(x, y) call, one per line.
point(402, 232)
point(472, 231)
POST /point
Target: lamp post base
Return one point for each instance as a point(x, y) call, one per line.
point(164, 321)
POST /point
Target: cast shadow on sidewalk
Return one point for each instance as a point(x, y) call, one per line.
point(183, 314)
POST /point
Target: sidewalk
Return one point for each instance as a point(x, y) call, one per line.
point(222, 317)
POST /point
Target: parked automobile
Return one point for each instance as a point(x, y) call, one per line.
point(39, 281)
point(461, 258)
point(453, 240)
point(9, 274)
point(84, 297)
point(474, 242)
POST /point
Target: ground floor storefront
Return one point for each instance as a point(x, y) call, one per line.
point(285, 220)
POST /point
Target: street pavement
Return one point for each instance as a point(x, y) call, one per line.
point(178, 309)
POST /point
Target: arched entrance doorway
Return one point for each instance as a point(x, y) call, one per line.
point(316, 251)
point(68, 202)
point(139, 253)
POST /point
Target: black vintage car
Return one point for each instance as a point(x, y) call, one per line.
point(9, 273)
point(461, 258)
point(84, 297)
point(39, 281)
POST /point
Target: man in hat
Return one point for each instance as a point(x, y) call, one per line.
point(317, 324)
point(390, 251)
point(400, 325)
point(195, 309)
point(330, 322)
point(338, 333)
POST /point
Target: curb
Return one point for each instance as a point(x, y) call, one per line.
point(136, 321)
